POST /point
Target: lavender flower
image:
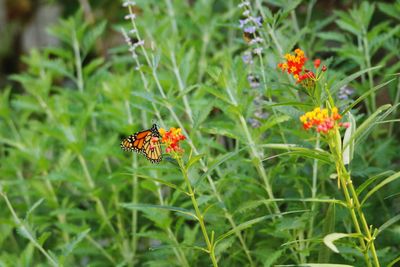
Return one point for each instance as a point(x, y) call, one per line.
point(243, 4)
point(247, 58)
point(128, 3)
point(254, 82)
point(250, 29)
point(256, 40)
point(130, 16)
point(243, 22)
point(246, 13)
point(257, 20)
point(257, 50)
point(139, 43)
point(345, 92)
point(254, 123)
point(259, 114)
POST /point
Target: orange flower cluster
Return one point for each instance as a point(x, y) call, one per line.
point(322, 120)
point(295, 65)
point(172, 138)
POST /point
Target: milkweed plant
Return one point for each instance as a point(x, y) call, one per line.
point(274, 138)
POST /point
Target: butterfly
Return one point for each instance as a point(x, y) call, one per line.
point(146, 142)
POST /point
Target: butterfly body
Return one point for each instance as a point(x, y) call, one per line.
point(146, 142)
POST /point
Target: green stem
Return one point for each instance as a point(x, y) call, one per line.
point(396, 100)
point(78, 62)
point(199, 215)
point(370, 76)
point(353, 202)
point(314, 189)
point(255, 154)
point(364, 223)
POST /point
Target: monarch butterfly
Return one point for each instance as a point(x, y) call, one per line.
point(143, 142)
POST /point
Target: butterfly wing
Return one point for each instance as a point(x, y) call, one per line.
point(142, 142)
point(135, 141)
point(152, 149)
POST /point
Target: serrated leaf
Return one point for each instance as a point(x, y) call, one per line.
point(43, 238)
point(34, 206)
point(71, 245)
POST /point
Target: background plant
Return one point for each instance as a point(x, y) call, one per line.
point(70, 196)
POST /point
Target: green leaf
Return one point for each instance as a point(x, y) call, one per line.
point(350, 78)
point(134, 206)
point(157, 180)
point(43, 237)
point(388, 223)
point(249, 223)
point(212, 166)
point(193, 160)
point(392, 9)
point(366, 94)
point(348, 147)
point(324, 253)
point(391, 264)
point(256, 203)
point(301, 151)
point(380, 185)
point(320, 265)
point(217, 93)
point(329, 239)
point(91, 36)
point(366, 127)
point(370, 180)
point(71, 245)
point(34, 206)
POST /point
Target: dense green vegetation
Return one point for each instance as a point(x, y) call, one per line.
point(251, 187)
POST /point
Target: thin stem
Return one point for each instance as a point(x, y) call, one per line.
point(314, 188)
point(61, 217)
point(171, 14)
point(370, 76)
point(353, 202)
point(177, 250)
point(181, 86)
point(78, 62)
point(364, 222)
point(135, 197)
point(102, 250)
point(199, 215)
point(396, 100)
point(294, 21)
point(255, 154)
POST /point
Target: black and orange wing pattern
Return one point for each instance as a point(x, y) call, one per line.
point(141, 142)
